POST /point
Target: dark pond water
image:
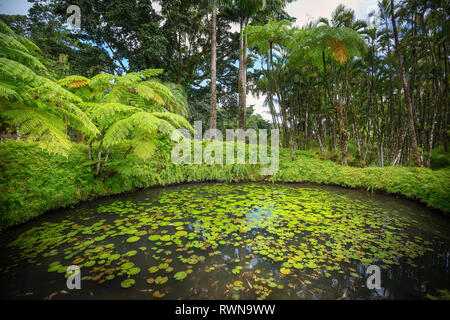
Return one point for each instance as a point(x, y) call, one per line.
point(230, 241)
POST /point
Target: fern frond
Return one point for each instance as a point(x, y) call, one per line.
point(39, 106)
point(8, 92)
point(123, 129)
point(22, 57)
point(175, 120)
point(180, 103)
point(57, 90)
point(4, 28)
point(149, 73)
point(130, 79)
point(16, 71)
point(11, 43)
point(41, 126)
point(118, 94)
point(28, 44)
point(66, 82)
point(147, 92)
point(105, 114)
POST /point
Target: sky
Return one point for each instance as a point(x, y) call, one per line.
point(303, 10)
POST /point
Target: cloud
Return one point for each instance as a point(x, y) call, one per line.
point(308, 10)
point(258, 106)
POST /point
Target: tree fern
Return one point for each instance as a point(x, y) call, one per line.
point(7, 92)
point(150, 122)
point(132, 108)
point(32, 103)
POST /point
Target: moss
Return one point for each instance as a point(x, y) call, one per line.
point(33, 181)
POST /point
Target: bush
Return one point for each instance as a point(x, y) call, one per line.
point(33, 181)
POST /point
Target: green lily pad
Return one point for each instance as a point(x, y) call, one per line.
point(127, 283)
point(153, 269)
point(133, 239)
point(285, 271)
point(133, 271)
point(180, 275)
point(161, 280)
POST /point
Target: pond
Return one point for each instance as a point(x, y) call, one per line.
point(230, 241)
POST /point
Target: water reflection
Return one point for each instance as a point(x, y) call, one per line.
point(234, 246)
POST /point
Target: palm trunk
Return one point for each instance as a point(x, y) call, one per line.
point(343, 137)
point(213, 99)
point(409, 103)
point(270, 71)
point(242, 76)
point(316, 132)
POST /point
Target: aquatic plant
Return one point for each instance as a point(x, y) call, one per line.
point(304, 234)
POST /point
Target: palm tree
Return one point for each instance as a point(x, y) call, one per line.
point(213, 98)
point(265, 38)
point(214, 5)
point(342, 40)
point(244, 11)
point(408, 100)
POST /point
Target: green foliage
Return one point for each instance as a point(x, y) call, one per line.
point(30, 102)
point(341, 42)
point(443, 294)
point(33, 181)
point(423, 184)
point(439, 158)
point(266, 36)
point(297, 231)
point(133, 109)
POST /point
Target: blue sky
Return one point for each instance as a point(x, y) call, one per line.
point(14, 6)
point(303, 10)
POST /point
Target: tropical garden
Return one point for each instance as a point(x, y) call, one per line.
point(87, 118)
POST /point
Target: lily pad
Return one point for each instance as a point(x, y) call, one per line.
point(133, 239)
point(180, 275)
point(127, 283)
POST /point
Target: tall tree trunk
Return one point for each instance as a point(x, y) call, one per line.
point(242, 76)
point(343, 135)
point(316, 132)
point(409, 103)
point(270, 95)
point(213, 98)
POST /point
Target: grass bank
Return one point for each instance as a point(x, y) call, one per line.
point(33, 181)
